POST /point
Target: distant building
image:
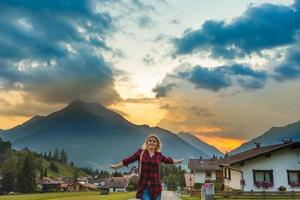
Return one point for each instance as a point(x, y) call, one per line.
point(264, 168)
point(118, 184)
point(49, 185)
point(203, 170)
point(114, 184)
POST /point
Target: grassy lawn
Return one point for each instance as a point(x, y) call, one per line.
point(188, 197)
point(71, 196)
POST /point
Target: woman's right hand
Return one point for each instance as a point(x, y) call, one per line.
point(113, 166)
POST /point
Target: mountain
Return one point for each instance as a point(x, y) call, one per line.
point(93, 136)
point(199, 144)
point(273, 136)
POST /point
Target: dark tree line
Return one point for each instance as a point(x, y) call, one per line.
point(58, 156)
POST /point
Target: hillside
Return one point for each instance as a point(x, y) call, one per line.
point(10, 160)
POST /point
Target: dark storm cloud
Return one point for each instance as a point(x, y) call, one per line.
point(290, 67)
point(215, 79)
point(162, 90)
point(51, 50)
point(263, 27)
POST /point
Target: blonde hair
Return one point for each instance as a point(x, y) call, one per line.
point(159, 145)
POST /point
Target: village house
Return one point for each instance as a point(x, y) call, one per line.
point(264, 168)
point(114, 184)
point(203, 170)
point(47, 184)
point(118, 184)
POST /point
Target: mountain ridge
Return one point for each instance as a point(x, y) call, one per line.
point(274, 135)
point(93, 135)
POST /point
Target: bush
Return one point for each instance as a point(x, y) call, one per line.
point(237, 192)
point(282, 188)
point(219, 187)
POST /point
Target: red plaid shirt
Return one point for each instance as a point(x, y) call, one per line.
point(150, 171)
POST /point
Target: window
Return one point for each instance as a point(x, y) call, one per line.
point(262, 176)
point(227, 173)
point(208, 174)
point(293, 176)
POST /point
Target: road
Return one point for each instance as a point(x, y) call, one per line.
point(166, 195)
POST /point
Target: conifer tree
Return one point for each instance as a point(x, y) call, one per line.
point(26, 176)
point(56, 155)
point(8, 182)
point(63, 157)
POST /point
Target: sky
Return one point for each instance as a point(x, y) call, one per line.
point(223, 70)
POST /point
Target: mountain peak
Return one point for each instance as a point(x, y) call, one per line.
point(91, 107)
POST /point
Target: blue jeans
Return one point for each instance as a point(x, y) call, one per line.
point(147, 194)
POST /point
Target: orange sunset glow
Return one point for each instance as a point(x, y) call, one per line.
point(222, 143)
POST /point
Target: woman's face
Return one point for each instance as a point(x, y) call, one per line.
point(152, 143)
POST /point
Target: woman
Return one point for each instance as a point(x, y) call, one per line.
point(149, 187)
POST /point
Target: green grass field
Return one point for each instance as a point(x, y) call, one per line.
point(71, 196)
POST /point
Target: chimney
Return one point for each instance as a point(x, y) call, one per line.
point(257, 144)
point(287, 140)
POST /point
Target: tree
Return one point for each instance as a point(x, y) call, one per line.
point(5, 147)
point(56, 155)
point(53, 167)
point(26, 176)
point(46, 172)
point(49, 157)
point(45, 156)
point(8, 182)
point(41, 173)
point(63, 158)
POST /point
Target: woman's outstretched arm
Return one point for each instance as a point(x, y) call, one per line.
point(169, 160)
point(128, 160)
point(178, 161)
point(117, 166)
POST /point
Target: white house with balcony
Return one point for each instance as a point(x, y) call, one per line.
point(264, 168)
point(203, 170)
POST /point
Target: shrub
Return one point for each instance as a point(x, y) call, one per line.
point(282, 188)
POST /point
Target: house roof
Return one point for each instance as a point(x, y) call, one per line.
point(204, 165)
point(118, 182)
point(256, 152)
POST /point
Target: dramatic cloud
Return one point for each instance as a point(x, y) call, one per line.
point(264, 27)
point(52, 51)
point(290, 67)
point(163, 89)
point(215, 79)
